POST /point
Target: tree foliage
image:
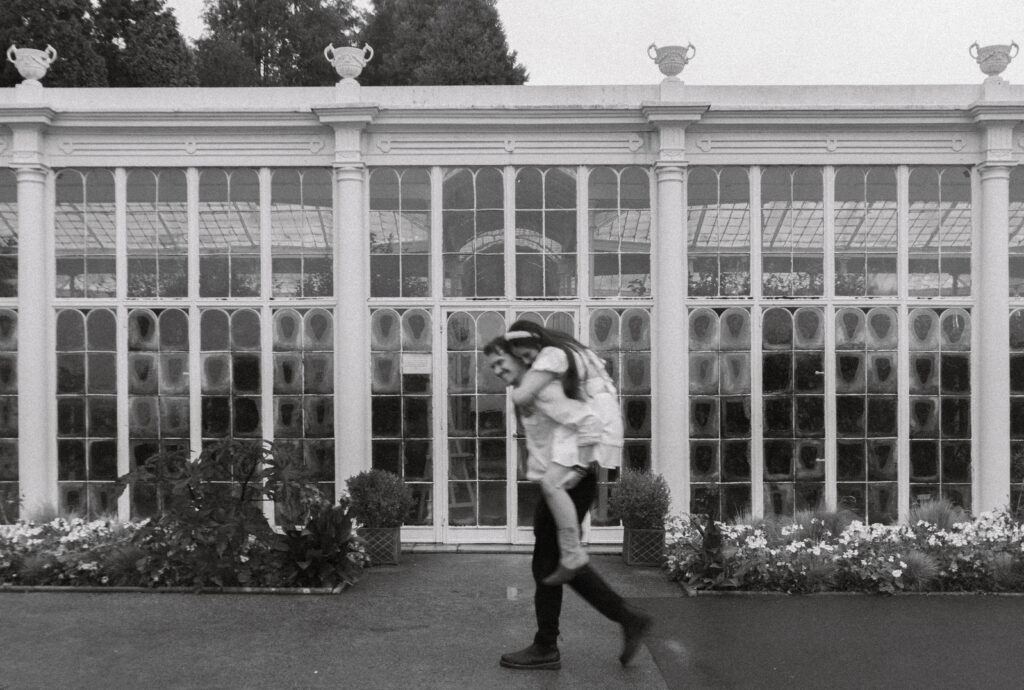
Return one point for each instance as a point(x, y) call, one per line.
point(66, 25)
point(99, 42)
point(141, 45)
point(126, 43)
point(273, 42)
point(428, 42)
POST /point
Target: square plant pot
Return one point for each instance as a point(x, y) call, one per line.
point(643, 546)
point(383, 544)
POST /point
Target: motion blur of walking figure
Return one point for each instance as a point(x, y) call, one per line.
point(552, 424)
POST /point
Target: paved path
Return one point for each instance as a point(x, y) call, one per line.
point(442, 621)
point(435, 621)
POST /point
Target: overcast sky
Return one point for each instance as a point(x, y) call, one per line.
point(748, 41)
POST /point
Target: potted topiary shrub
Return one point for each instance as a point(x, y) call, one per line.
point(379, 500)
point(641, 500)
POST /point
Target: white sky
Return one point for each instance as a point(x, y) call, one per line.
point(748, 41)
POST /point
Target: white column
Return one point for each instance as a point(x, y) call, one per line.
point(37, 466)
point(991, 391)
point(670, 366)
point(671, 370)
point(351, 328)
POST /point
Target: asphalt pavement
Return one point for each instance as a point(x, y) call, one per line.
point(442, 620)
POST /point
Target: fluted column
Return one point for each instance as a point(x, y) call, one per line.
point(351, 289)
point(670, 400)
point(37, 466)
point(992, 389)
point(671, 372)
point(352, 334)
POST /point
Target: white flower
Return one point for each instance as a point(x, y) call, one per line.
point(897, 572)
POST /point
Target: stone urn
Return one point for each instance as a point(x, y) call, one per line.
point(671, 59)
point(348, 61)
point(31, 63)
point(993, 59)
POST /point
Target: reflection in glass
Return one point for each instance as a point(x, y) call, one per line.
point(866, 231)
point(301, 227)
point(792, 231)
point(157, 229)
point(401, 409)
point(229, 233)
point(86, 413)
point(473, 235)
point(866, 411)
point(545, 232)
point(940, 404)
point(399, 232)
point(720, 427)
point(940, 231)
point(84, 233)
point(718, 208)
point(9, 487)
point(620, 232)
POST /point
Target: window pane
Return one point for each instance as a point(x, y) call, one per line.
point(473, 233)
point(84, 233)
point(157, 227)
point(302, 225)
point(229, 233)
point(399, 232)
point(620, 232)
point(792, 231)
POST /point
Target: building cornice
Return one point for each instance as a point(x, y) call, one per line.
point(27, 115)
point(997, 112)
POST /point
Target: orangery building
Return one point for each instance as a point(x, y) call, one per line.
point(806, 295)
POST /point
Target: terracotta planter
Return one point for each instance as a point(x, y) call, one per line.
point(643, 546)
point(383, 544)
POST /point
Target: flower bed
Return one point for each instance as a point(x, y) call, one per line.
point(211, 531)
point(107, 553)
point(815, 554)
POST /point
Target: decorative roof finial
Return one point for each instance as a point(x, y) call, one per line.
point(32, 64)
point(348, 61)
point(671, 59)
point(993, 59)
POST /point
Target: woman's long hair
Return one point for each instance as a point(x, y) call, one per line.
point(543, 337)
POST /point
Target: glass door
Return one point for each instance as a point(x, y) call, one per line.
point(489, 498)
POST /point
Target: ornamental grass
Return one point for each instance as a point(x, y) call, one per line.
point(939, 549)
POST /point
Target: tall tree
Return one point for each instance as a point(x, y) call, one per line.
point(67, 25)
point(273, 42)
point(141, 44)
point(428, 42)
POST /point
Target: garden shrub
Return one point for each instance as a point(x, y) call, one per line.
point(640, 499)
point(379, 498)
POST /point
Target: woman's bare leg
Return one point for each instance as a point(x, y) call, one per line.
point(554, 487)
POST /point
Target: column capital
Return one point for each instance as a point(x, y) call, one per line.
point(671, 120)
point(996, 122)
point(349, 171)
point(348, 122)
point(673, 114)
point(667, 171)
point(27, 168)
point(994, 170)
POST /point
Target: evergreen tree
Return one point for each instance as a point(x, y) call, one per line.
point(66, 25)
point(273, 42)
point(141, 44)
point(426, 42)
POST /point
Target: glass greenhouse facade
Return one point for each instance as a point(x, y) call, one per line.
point(806, 295)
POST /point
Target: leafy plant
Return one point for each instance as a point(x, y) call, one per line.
point(320, 552)
point(641, 500)
point(212, 531)
point(940, 513)
point(379, 498)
